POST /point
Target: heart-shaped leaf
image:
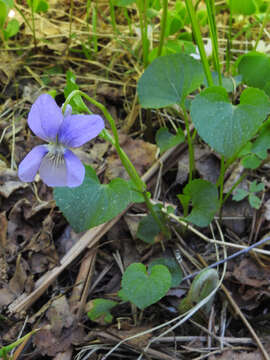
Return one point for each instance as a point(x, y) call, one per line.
point(168, 80)
point(92, 203)
point(100, 310)
point(255, 70)
point(204, 198)
point(173, 266)
point(226, 127)
point(142, 289)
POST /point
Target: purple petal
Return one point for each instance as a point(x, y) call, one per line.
point(45, 117)
point(75, 169)
point(53, 171)
point(78, 129)
point(66, 171)
point(29, 166)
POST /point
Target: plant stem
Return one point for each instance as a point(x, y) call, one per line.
point(33, 24)
point(112, 13)
point(143, 27)
point(234, 186)
point(22, 15)
point(70, 24)
point(190, 146)
point(221, 181)
point(199, 41)
point(150, 207)
point(262, 27)
point(2, 37)
point(229, 43)
point(210, 6)
point(163, 26)
point(132, 172)
point(94, 24)
point(88, 9)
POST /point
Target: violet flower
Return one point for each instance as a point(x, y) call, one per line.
point(56, 164)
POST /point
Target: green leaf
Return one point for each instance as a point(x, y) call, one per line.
point(42, 6)
point(143, 289)
point(226, 127)
point(255, 70)
point(77, 104)
point(123, 2)
point(165, 140)
point(244, 7)
point(240, 194)
point(204, 198)
point(173, 47)
point(148, 228)
point(229, 83)
point(9, 3)
point(12, 29)
point(202, 285)
point(38, 5)
point(254, 201)
point(172, 265)
point(254, 187)
point(184, 200)
point(101, 309)
point(3, 13)
point(262, 143)
point(251, 161)
point(168, 80)
point(92, 203)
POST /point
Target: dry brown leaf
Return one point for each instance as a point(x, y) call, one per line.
point(141, 153)
point(56, 334)
point(17, 282)
point(3, 229)
point(9, 182)
point(206, 164)
point(250, 273)
point(243, 355)
point(6, 296)
point(59, 315)
point(140, 341)
point(9, 64)
point(237, 214)
point(49, 344)
point(235, 172)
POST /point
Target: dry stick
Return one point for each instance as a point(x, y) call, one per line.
point(245, 321)
point(243, 251)
point(180, 339)
point(89, 239)
point(213, 241)
point(112, 338)
point(80, 292)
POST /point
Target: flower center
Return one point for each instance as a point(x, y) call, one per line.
point(56, 154)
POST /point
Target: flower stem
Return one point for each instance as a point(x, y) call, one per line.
point(190, 146)
point(199, 41)
point(132, 172)
point(163, 26)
